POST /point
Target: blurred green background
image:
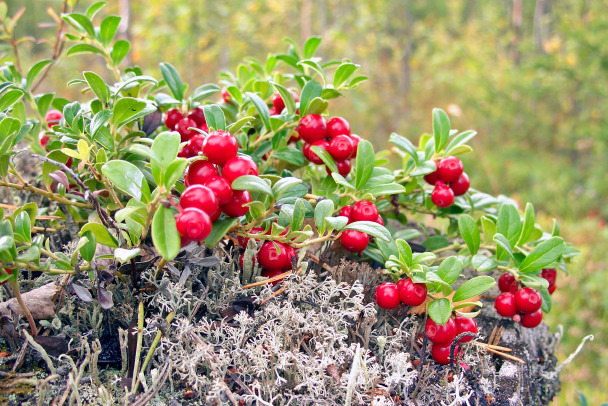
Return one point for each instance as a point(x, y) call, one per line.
point(530, 76)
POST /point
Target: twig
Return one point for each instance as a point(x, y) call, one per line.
point(41, 351)
point(268, 280)
point(15, 285)
point(502, 354)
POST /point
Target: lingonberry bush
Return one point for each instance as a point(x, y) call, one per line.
point(144, 163)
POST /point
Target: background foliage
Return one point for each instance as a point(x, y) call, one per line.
point(530, 77)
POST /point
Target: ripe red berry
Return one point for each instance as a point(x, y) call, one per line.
point(44, 139)
point(193, 224)
point(532, 320)
point(220, 146)
point(226, 96)
point(279, 104)
point(552, 289)
point(364, 211)
point(312, 156)
point(345, 211)
point(505, 304)
point(243, 241)
point(380, 220)
point(354, 241)
point(356, 140)
point(235, 208)
point(185, 152)
point(528, 300)
point(172, 117)
point(337, 126)
point(270, 258)
point(442, 196)
point(550, 275)
point(182, 128)
point(198, 115)
point(312, 128)
point(441, 353)
point(341, 147)
point(439, 334)
point(465, 324)
point(505, 282)
point(271, 273)
point(387, 295)
point(216, 214)
point(195, 144)
point(461, 185)
point(221, 188)
point(431, 178)
point(410, 293)
point(199, 171)
point(239, 166)
point(343, 167)
point(53, 118)
point(201, 197)
point(449, 169)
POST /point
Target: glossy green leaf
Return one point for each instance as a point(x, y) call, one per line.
point(324, 208)
point(371, 228)
point(128, 109)
point(365, 163)
point(219, 230)
point(450, 268)
point(283, 185)
point(310, 90)
point(35, 70)
point(469, 232)
point(343, 72)
point(9, 98)
point(128, 178)
point(214, 116)
point(101, 233)
point(441, 128)
point(253, 184)
point(108, 29)
point(509, 223)
point(544, 254)
point(528, 227)
point(440, 310)
point(173, 80)
point(483, 264)
point(87, 250)
point(325, 157)
point(83, 49)
point(98, 86)
point(119, 51)
point(473, 287)
point(164, 233)
point(262, 109)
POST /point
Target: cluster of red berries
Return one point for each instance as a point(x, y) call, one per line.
point(209, 192)
point(333, 136)
point(449, 180)
point(523, 305)
point(442, 337)
point(175, 121)
point(353, 240)
point(272, 260)
point(390, 295)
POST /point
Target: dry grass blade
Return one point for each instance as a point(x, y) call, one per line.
point(267, 281)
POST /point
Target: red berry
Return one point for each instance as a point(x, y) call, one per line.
point(337, 126)
point(183, 241)
point(442, 196)
point(279, 104)
point(199, 171)
point(216, 214)
point(532, 320)
point(345, 211)
point(312, 156)
point(270, 258)
point(550, 275)
point(410, 293)
point(221, 188)
point(306, 150)
point(182, 128)
point(341, 147)
point(505, 304)
point(364, 211)
point(465, 324)
point(239, 166)
point(312, 128)
point(184, 152)
point(461, 185)
point(201, 197)
point(356, 140)
point(195, 145)
point(380, 220)
point(552, 289)
point(69, 162)
point(235, 208)
point(441, 353)
point(449, 169)
point(244, 240)
point(8, 271)
point(528, 300)
point(273, 112)
point(53, 118)
point(193, 224)
point(172, 117)
point(44, 139)
point(354, 241)
point(226, 96)
point(198, 115)
point(271, 273)
point(220, 146)
point(343, 167)
point(505, 282)
point(431, 178)
point(439, 334)
point(387, 295)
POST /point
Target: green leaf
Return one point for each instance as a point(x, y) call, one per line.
point(450, 268)
point(35, 70)
point(405, 252)
point(81, 23)
point(173, 80)
point(291, 155)
point(261, 107)
point(473, 287)
point(405, 145)
point(441, 129)
point(98, 121)
point(94, 9)
point(365, 163)
point(502, 246)
point(459, 140)
point(119, 51)
point(174, 172)
point(325, 208)
point(317, 106)
point(219, 230)
point(469, 232)
point(371, 228)
point(214, 115)
point(128, 109)
point(336, 223)
point(164, 233)
point(534, 282)
point(314, 66)
point(311, 46)
point(128, 178)
point(101, 233)
point(32, 254)
point(98, 86)
point(204, 91)
point(440, 310)
point(342, 181)
point(545, 253)
point(325, 157)
point(87, 250)
point(23, 227)
point(252, 183)
point(108, 29)
point(84, 49)
point(287, 97)
point(483, 264)
point(9, 98)
point(388, 189)
point(310, 90)
point(299, 212)
point(509, 223)
point(343, 72)
point(489, 229)
point(283, 185)
point(528, 226)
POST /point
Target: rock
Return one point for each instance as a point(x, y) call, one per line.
point(39, 301)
